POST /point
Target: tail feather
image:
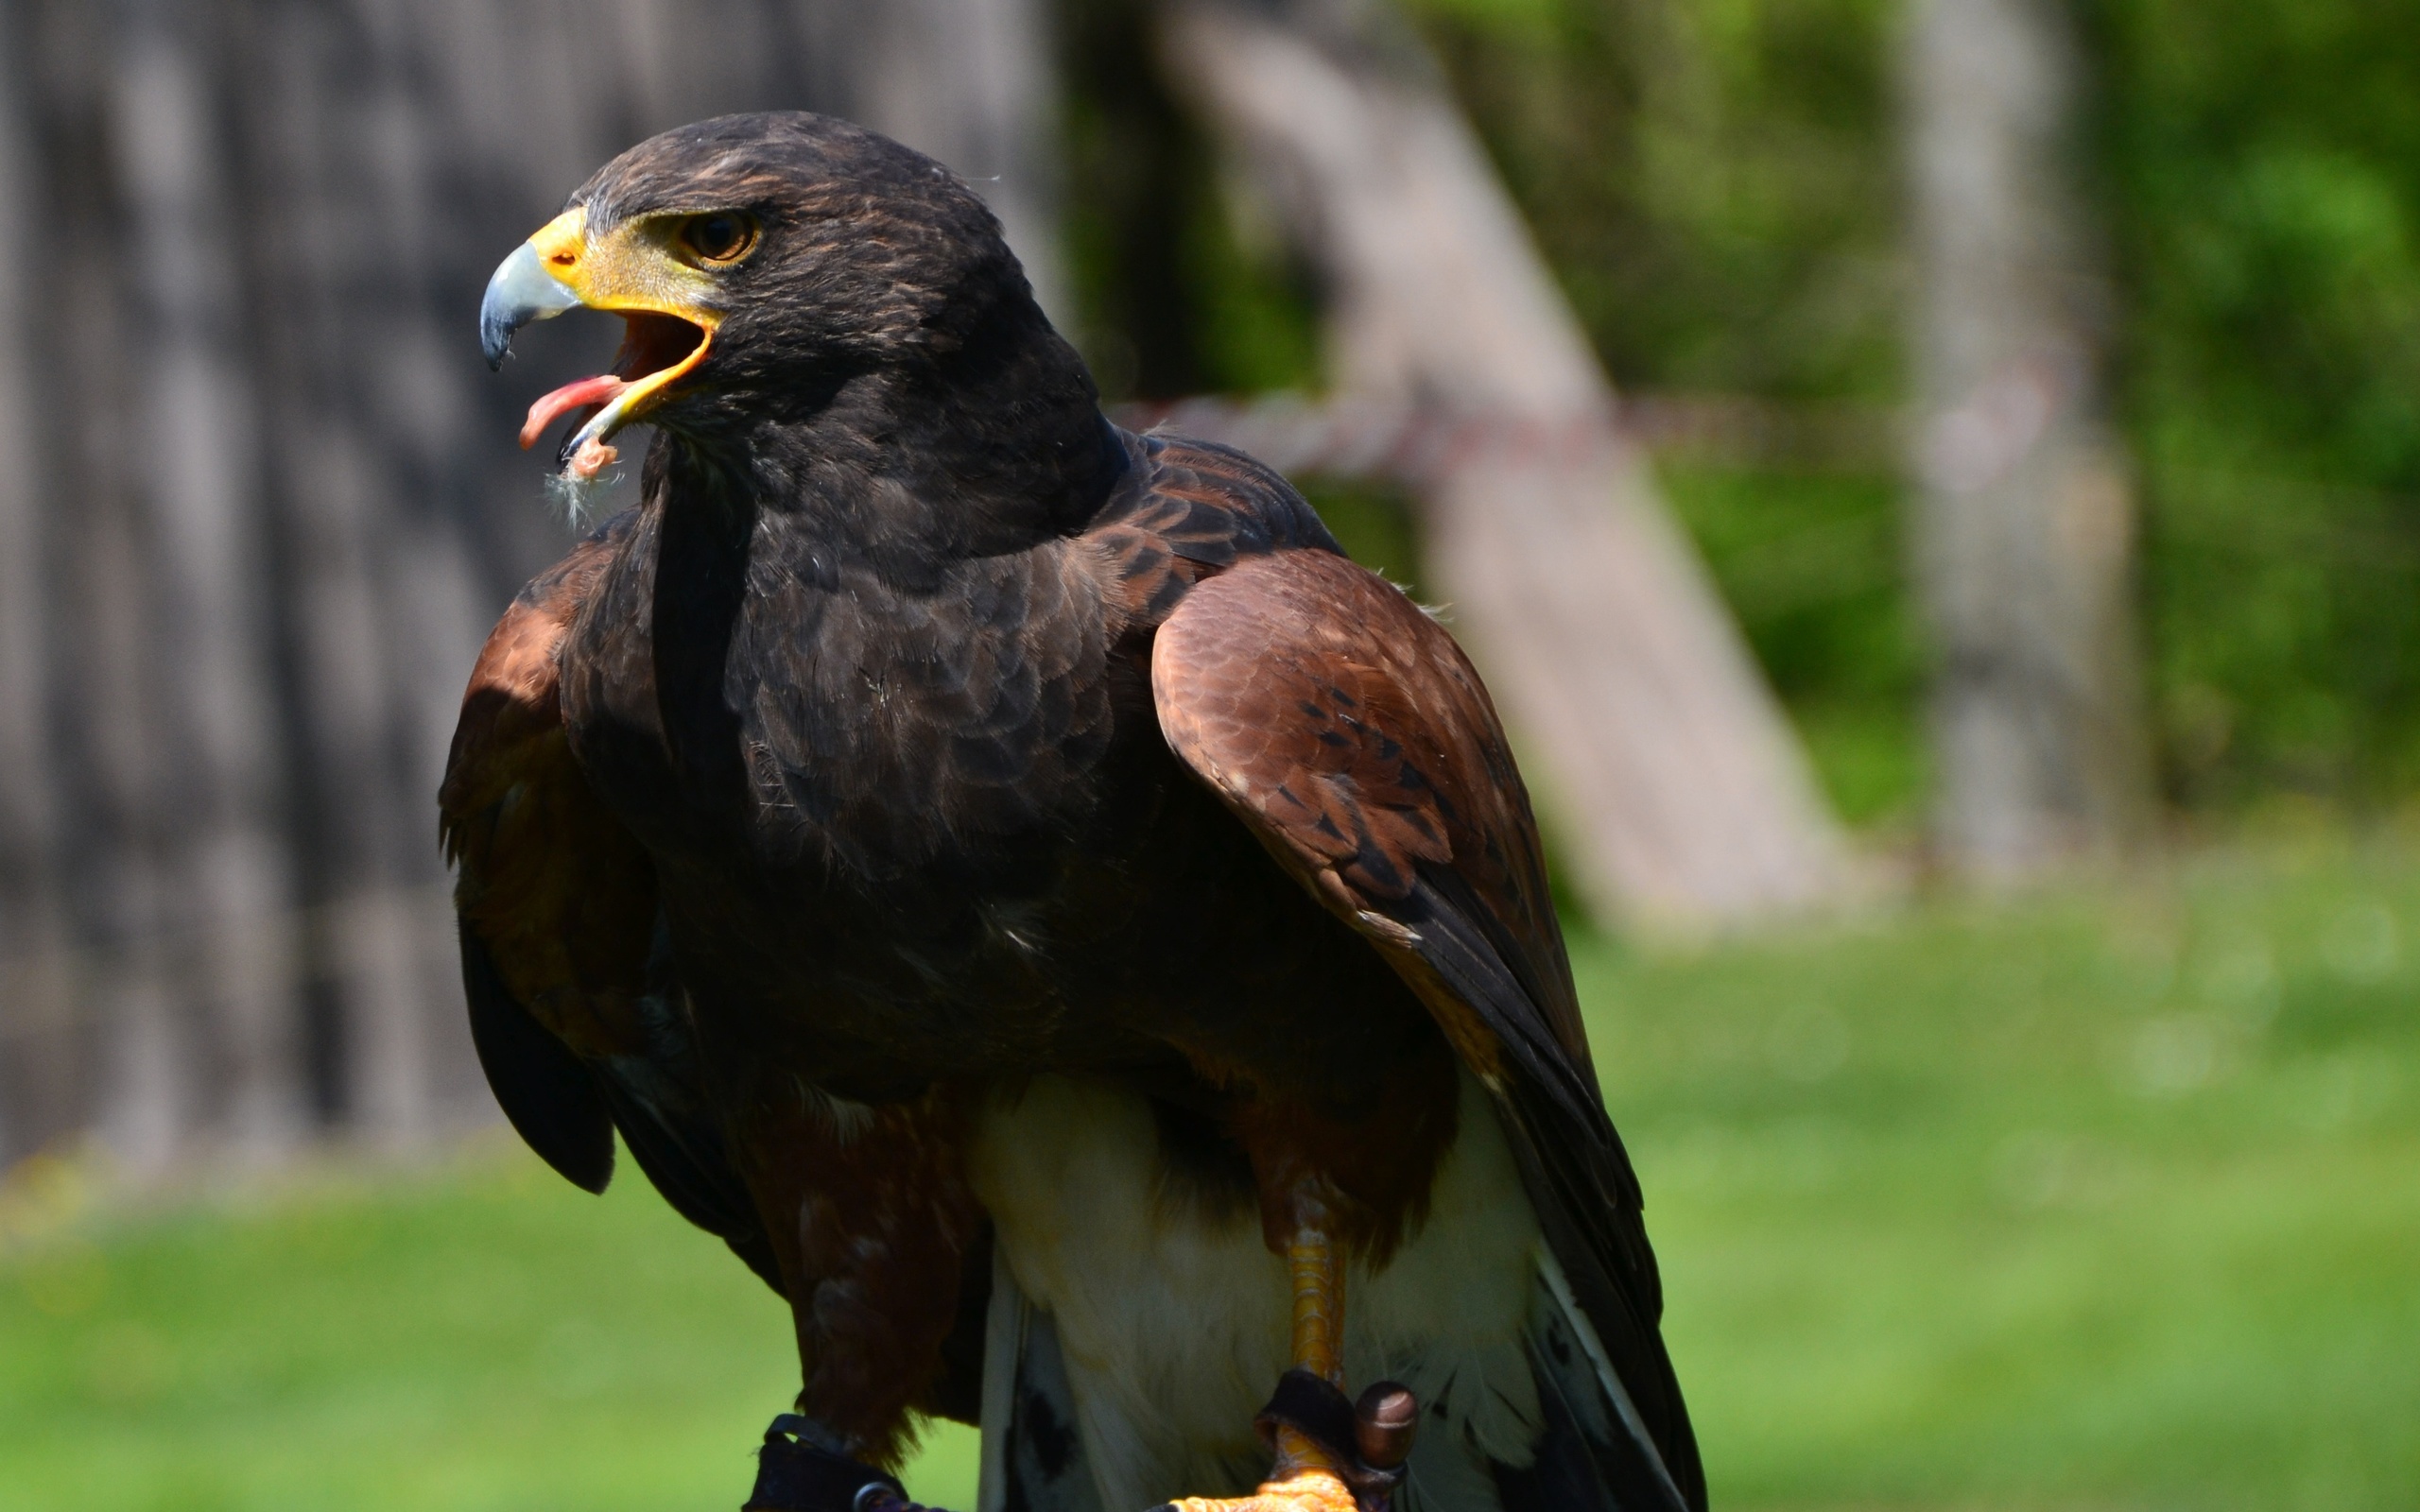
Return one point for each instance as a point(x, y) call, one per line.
point(1595, 1450)
point(1033, 1450)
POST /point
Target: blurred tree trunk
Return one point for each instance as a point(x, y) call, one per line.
point(138, 1071)
point(1664, 757)
point(332, 142)
point(2025, 530)
point(40, 1074)
point(216, 778)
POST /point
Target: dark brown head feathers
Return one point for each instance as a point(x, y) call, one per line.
point(867, 248)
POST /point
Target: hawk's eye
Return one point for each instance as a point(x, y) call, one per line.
point(720, 237)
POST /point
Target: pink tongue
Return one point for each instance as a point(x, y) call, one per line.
point(598, 390)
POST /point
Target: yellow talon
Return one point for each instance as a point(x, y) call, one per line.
point(1309, 1491)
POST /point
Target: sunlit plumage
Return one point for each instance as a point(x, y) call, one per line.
point(1031, 894)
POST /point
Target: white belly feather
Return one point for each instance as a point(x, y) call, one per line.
point(1173, 1325)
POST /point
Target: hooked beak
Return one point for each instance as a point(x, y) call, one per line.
point(522, 291)
point(667, 323)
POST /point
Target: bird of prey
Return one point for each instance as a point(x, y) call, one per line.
point(1079, 936)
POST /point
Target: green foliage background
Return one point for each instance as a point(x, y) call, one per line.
point(2263, 173)
point(1716, 185)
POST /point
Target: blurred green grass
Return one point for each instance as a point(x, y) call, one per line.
point(2106, 1198)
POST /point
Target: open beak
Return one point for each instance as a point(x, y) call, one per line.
point(667, 326)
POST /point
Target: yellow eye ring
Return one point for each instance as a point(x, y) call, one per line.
point(718, 238)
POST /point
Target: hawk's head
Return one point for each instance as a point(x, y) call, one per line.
point(761, 263)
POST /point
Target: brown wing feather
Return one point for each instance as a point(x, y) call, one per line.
point(553, 901)
point(1349, 732)
point(1348, 727)
point(561, 894)
point(576, 1020)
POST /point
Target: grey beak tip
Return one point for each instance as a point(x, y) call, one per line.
point(521, 291)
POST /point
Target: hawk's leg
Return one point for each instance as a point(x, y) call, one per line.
point(1330, 1454)
point(868, 1218)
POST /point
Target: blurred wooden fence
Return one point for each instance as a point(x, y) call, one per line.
point(259, 498)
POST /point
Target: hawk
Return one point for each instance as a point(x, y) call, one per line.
point(1079, 936)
